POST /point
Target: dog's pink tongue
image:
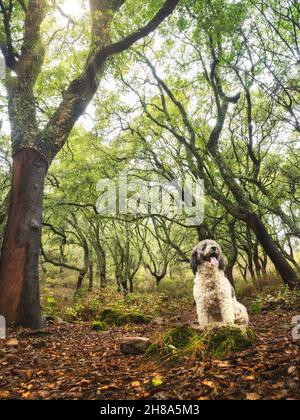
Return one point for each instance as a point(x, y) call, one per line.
point(214, 262)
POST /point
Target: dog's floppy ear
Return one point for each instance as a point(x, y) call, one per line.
point(222, 263)
point(194, 262)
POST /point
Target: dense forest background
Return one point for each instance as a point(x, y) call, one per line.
point(213, 93)
point(207, 89)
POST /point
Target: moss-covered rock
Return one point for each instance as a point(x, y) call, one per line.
point(185, 341)
point(137, 318)
point(225, 340)
point(119, 318)
point(179, 337)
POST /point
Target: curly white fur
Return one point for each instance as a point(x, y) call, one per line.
point(214, 296)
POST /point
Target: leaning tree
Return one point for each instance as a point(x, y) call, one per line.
point(199, 109)
point(25, 46)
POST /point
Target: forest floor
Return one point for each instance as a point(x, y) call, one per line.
point(71, 361)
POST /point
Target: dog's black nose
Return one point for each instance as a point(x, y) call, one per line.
point(214, 249)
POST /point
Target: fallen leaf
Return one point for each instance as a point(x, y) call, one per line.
point(4, 394)
point(135, 384)
point(222, 364)
point(13, 342)
point(253, 397)
point(209, 384)
point(85, 382)
point(250, 378)
point(106, 388)
point(292, 370)
point(157, 381)
point(103, 388)
point(26, 395)
point(29, 375)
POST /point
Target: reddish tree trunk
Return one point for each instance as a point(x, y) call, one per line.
point(19, 268)
point(287, 273)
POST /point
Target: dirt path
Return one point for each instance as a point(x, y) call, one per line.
point(74, 362)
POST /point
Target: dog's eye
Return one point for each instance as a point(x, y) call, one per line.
point(203, 248)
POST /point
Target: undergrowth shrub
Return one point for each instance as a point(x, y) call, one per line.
point(89, 306)
point(50, 306)
point(280, 299)
point(99, 326)
point(118, 318)
point(270, 283)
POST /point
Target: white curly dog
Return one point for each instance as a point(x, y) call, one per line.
point(214, 295)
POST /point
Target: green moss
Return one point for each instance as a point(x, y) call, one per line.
point(196, 347)
point(224, 341)
point(137, 318)
point(99, 326)
point(256, 307)
point(183, 341)
point(178, 342)
point(153, 349)
point(179, 337)
point(119, 318)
